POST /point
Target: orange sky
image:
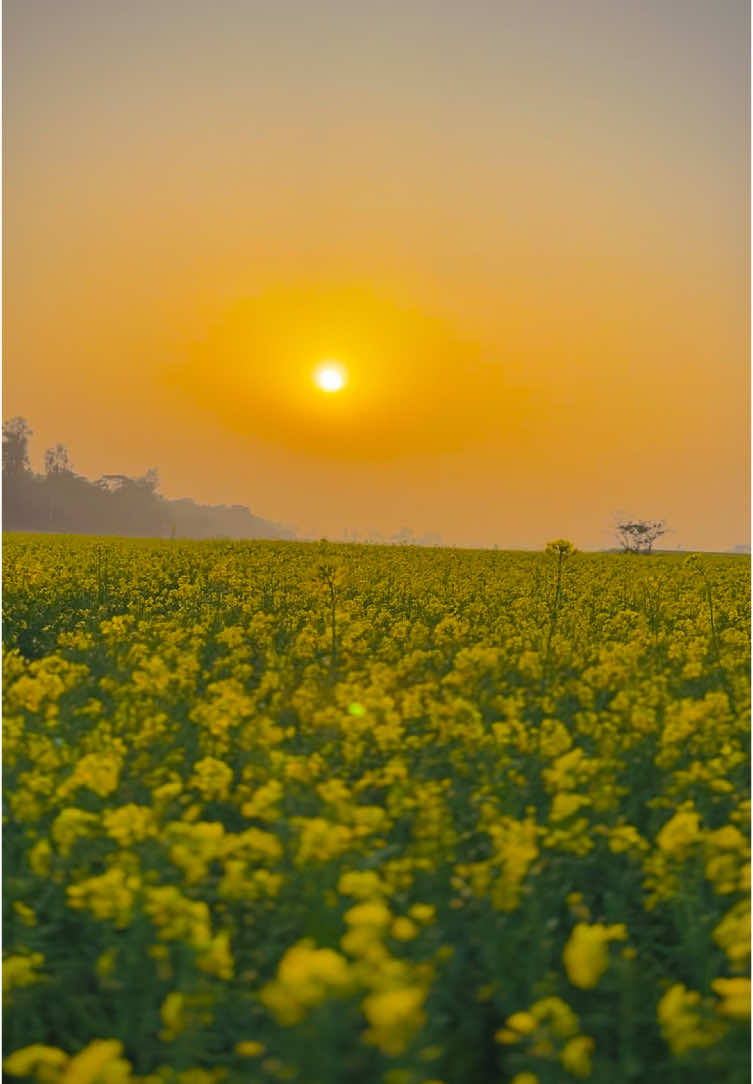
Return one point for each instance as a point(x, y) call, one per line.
point(523, 228)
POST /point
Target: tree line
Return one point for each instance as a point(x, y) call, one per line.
point(60, 500)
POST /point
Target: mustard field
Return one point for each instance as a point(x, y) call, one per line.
point(328, 813)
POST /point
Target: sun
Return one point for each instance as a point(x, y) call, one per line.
point(330, 376)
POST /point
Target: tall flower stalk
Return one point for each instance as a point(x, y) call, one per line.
point(561, 550)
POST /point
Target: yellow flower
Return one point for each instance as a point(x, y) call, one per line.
point(99, 772)
point(217, 959)
point(423, 912)
point(516, 849)
point(171, 1012)
point(39, 857)
point(321, 840)
point(560, 548)
point(575, 1055)
point(26, 914)
point(554, 738)
point(178, 918)
point(110, 895)
point(249, 1048)
point(394, 1016)
point(626, 838)
point(366, 884)
point(727, 838)
point(87, 1066)
point(732, 934)
point(304, 962)
point(129, 824)
point(681, 1024)
point(516, 1026)
point(735, 994)
point(557, 1015)
point(21, 970)
point(565, 804)
point(371, 913)
point(71, 824)
point(306, 976)
point(505, 1035)
point(522, 1022)
point(585, 956)
point(403, 929)
point(32, 1058)
point(212, 777)
point(167, 792)
point(679, 834)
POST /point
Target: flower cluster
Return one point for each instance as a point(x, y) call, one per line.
point(296, 812)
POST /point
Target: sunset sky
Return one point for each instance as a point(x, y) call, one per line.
point(521, 228)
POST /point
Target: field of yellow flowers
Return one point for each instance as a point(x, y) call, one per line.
point(328, 813)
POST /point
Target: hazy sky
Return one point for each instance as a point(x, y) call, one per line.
point(523, 227)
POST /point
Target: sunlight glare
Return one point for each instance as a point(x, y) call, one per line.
point(330, 376)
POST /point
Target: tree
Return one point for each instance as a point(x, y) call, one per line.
point(16, 433)
point(20, 496)
point(150, 480)
point(57, 460)
point(639, 535)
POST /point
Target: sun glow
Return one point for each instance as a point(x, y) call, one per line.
point(330, 376)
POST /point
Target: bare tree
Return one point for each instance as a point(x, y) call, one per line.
point(639, 535)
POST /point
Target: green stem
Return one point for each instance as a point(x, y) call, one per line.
point(555, 607)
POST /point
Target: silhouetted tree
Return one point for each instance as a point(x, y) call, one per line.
point(61, 500)
point(20, 496)
point(57, 460)
point(16, 433)
point(151, 479)
point(639, 535)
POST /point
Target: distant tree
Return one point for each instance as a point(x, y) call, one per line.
point(404, 537)
point(110, 483)
point(61, 500)
point(57, 460)
point(16, 433)
point(20, 492)
point(150, 480)
point(639, 535)
point(67, 496)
